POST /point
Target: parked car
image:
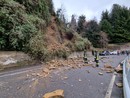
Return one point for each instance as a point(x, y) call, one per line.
point(114, 52)
point(104, 53)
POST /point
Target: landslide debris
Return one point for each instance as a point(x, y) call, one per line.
point(55, 94)
point(68, 63)
point(108, 68)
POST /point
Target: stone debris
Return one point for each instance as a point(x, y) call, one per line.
point(38, 75)
point(64, 82)
point(100, 73)
point(80, 80)
point(65, 77)
point(27, 75)
point(119, 69)
point(33, 74)
point(79, 66)
point(73, 67)
point(103, 69)
point(52, 68)
point(109, 71)
point(55, 94)
point(70, 63)
point(88, 71)
point(87, 64)
point(107, 66)
point(90, 62)
point(50, 76)
point(101, 83)
point(18, 88)
point(94, 66)
point(46, 70)
point(115, 73)
point(119, 84)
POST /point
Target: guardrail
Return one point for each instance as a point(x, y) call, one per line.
point(126, 72)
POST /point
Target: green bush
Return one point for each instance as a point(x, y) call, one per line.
point(21, 35)
point(81, 43)
point(38, 22)
point(37, 47)
point(37, 7)
point(16, 26)
point(60, 53)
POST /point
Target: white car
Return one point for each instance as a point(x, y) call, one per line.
point(114, 52)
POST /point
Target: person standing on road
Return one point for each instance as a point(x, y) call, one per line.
point(85, 55)
point(97, 59)
point(127, 52)
point(93, 52)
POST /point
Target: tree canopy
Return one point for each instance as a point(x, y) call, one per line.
point(116, 24)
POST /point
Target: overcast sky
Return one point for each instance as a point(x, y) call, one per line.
point(89, 8)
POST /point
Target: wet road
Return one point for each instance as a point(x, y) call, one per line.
point(76, 83)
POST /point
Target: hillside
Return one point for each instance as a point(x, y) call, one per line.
point(31, 26)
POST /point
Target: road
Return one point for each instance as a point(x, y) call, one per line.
point(83, 82)
point(128, 77)
point(128, 71)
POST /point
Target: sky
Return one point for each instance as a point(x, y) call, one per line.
point(92, 9)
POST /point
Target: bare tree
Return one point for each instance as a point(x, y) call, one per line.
point(73, 24)
point(61, 14)
point(103, 41)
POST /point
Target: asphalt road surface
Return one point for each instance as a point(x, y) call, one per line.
point(83, 82)
point(128, 77)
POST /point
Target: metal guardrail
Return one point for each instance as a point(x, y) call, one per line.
point(126, 83)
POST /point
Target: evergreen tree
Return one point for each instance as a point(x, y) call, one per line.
point(92, 32)
point(105, 26)
point(105, 15)
point(116, 23)
point(81, 21)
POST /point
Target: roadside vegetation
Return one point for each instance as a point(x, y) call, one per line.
point(34, 27)
point(113, 27)
point(116, 24)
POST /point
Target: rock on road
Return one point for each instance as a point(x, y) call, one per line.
point(84, 82)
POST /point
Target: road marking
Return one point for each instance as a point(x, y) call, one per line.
point(16, 73)
point(109, 90)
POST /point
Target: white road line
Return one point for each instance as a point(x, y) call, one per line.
point(16, 73)
point(109, 90)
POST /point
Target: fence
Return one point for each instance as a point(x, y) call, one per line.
point(126, 77)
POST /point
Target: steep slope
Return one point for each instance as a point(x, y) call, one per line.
point(31, 26)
